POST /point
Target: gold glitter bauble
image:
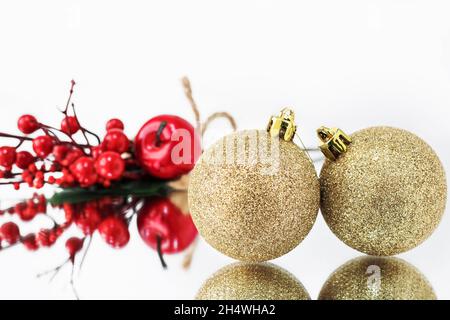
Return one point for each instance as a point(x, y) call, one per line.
point(252, 281)
point(386, 194)
point(254, 197)
point(377, 278)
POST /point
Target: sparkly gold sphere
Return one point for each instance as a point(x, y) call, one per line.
point(377, 278)
point(254, 197)
point(386, 194)
point(252, 281)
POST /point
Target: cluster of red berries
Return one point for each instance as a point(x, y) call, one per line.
point(76, 164)
point(57, 158)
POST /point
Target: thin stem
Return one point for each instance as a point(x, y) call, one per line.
point(13, 136)
point(85, 252)
point(55, 271)
point(159, 249)
point(159, 132)
point(188, 92)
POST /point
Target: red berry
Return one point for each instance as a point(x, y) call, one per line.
point(60, 151)
point(159, 217)
point(72, 156)
point(70, 125)
point(45, 238)
point(73, 246)
point(28, 124)
point(97, 151)
point(87, 220)
point(167, 147)
point(110, 165)
point(84, 171)
point(43, 146)
point(116, 140)
point(10, 232)
point(28, 213)
point(114, 231)
point(30, 242)
point(114, 124)
point(24, 159)
point(7, 156)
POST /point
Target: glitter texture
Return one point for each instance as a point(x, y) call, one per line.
point(247, 281)
point(386, 194)
point(377, 278)
point(250, 212)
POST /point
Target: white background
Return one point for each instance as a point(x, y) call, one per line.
point(350, 64)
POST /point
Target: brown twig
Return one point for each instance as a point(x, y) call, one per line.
point(188, 92)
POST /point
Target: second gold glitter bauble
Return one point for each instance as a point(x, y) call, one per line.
point(252, 281)
point(377, 278)
point(254, 197)
point(383, 192)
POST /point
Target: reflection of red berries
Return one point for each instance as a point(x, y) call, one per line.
point(161, 223)
point(110, 165)
point(114, 231)
point(70, 125)
point(43, 146)
point(155, 143)
point(116, 140)
point(114, 124)
point(27, 124)
point(30, 242)
point(24, 159)
point(10, 232)
point(87, 220)
point(84, 171)
point(7, 156)
point(73, 246)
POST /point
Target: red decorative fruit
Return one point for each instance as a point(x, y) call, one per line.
point(30, 242)
point(116, 140)
point(73, 246)
point(110, 165)
point(24, 159)
point(160, 220)
point(27, 124)
point(114, 231)
point(10, 232)
point(114, 124)
point(167, 147)
point(84, 171)
point(87, 220)
point(70, 125)
point(7, 156)
point(43, 146)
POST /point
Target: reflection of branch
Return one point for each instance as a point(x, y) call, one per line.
point(187, 261)
point(85, 252)
point(54, 271)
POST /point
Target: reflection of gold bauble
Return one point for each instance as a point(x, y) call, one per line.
point(377, 278)
point(252, 281)
point(254, 205)
point(386, 194)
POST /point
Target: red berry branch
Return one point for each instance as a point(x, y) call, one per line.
point(103, 183)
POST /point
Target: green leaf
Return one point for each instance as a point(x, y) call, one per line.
point(144, 188)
